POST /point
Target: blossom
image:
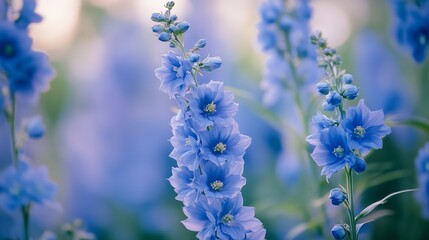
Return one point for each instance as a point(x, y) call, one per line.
point(220, 182)
point(224, 144)
point(228, 219)
point(186, 146)
point(25, 184)
point(181, 180)
point(27, 14)
point(332, 152)
point(175, 74)
point(364, 128)
point(211, 104)
point(30, 73)
point(13, 44)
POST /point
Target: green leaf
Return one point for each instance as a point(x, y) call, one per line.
point(372, 217)
point(371, 207)
point(380, 179)
point(416, 122)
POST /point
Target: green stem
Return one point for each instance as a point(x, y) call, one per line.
point(12, 130)
point(25, 211)
point(349, 178)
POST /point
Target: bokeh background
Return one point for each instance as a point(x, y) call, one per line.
point(108, 124)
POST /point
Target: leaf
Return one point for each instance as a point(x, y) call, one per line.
point(382, 178)
point(371, 207)
point(372, 217)
point(416, 122)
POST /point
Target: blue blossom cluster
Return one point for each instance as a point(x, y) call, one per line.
point(27, 72)
point(208, 145)
point(411, 26)
point(283, 33)
point(422, 166)
point(348, 138)
point(343, 140)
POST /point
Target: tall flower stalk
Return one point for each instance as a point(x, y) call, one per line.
point(346, 137)
point(24, 73)
point(208, 145)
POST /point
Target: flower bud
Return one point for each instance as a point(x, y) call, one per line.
point(337, 196)
point(286, 23)
point(158, 17)
point(333, 99)
point(360, 165)
point(173, 17)
point(183, 26)
point(338, 232)
point(157, 29)
point(200, 44)
point(169, 5)
point(337, 60)
point(322, 43)
point(347, 78)
point(323, 87)
point(211, 64)
point(164, 37)
point(350, 92)
point(35, 128)
point(194, 57)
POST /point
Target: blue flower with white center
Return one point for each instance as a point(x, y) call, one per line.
point(365, 128)
point(35, 128)
point(182, 179)
point(25, 184)
point(175, 75)
point(30, 74)
point(14, 43)
point(186, 147)
point(332, 152)
point(224, 144)
point(27, 14)
point(228, 219)
point(211, 104)
point(422, 166)
point(219, 182)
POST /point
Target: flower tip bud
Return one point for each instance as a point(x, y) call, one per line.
point(323, 87)
point(337, 196)
point(347, 78)
point(169, 5)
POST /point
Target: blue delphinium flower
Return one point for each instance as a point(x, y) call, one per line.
point(219, 182)
point(208, 145)
point(227, 219)
point(365, 128)
point(332, 152)
point(175, 75)
point(14, 43)
point(224, 144)
point(422, 166)
point(212, 104)
point(27, 14)
point(411, 25)
point(25, 184)
point(182, 179)
point(35, 128)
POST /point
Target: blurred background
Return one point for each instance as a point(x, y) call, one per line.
point(108, 124)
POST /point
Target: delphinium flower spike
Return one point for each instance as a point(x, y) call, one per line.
point(24, 73)
point(343, 139)
point(208, 145)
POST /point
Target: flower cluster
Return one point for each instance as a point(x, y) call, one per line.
point(208, 145)
point(283, 33)
point(346, 140)
point(411, 26)
point(343, 140)
point(26, 72)
point(422, 165)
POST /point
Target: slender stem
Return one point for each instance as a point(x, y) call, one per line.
point(349, 178)
point(12, 130)
point(25, 211)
